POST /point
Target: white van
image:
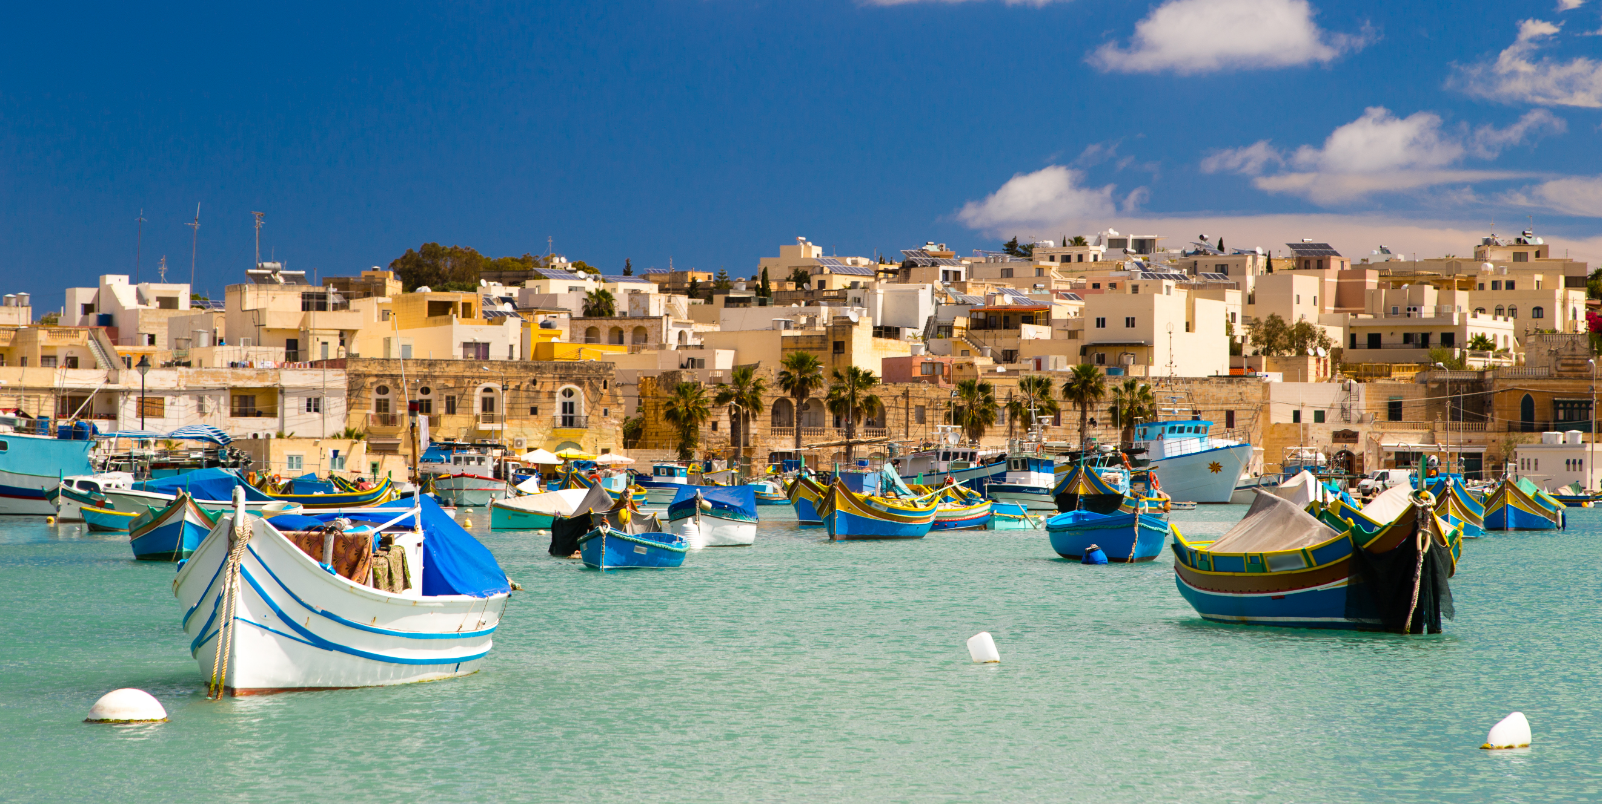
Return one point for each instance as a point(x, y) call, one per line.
point(1382, 479)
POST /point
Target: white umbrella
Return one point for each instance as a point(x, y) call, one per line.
point(611, 458)
point(541, 456)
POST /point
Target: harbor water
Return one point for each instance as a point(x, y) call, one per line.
point(801, 670)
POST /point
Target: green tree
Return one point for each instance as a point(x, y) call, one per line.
point(433, 265)
point(975, 408)
point(687, 410)
point(1450, 358)
point(744, 397)
point(721, 282)
point(1037, 388)
point(1133, 401)
point(599, 303)
point(1268, 335)
point(351, 434)
point(1077, 240)
point(1085, 387)
point(582, 267)
point(1481, 343)
point(694, 289)
point(1594, 281)
point(799, 278)
point(800, 375)
point(1221, 246)
point(850, 399)
point(633, 428)
point(629, 270)
point(763, 288)
point(1305, 336)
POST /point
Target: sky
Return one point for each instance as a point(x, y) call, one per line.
point(711, 132)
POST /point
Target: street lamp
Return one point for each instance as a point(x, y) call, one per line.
point(143, 367)
point(1453, 398)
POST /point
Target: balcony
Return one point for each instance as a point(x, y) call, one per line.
point(243, 412)
point(384, 421)
point(570, 422)
point(489, 421)
point(1390, 426)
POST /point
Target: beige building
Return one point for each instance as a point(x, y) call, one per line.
point(1402, 325)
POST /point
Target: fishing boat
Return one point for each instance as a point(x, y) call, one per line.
point(615, 534)
point(1573, 495)
point(210, 488)
point(462, 474)
point(1100, 490)
point(1133, 534)
point(1518, 504)
point(535, 511)
point(962, 508)
point(769, 492)
point(1194, 466)
point(172, 533)
point(73, 492)
point(714, 516)
point(1013, 516)
point(950, 459)
point(664, 483)
point(316, 494)
point(471, 490)
point(805, 494)
point(1456, 504)
point(35, 459)
point(1028, 481)
point(1280, 566)
point(106, 520)
point(302, 602)
point(849, 514)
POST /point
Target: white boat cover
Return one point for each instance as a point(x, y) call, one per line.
point(540, 456)
point(1272, 524)
point(1302, 489)
point(1388, 504)
point(562, 502)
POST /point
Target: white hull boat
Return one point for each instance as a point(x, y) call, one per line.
point(711, 531)
point(709, 516)
point(470, 490)
point(1190, 464)
point(277, 620)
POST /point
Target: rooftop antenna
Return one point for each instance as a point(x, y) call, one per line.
point(548, 249)
point(161, 269)
point(259, 216)
point(139, 243)
point(194, 240)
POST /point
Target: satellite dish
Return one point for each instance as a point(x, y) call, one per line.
point(1320, 350)
point(1309, 352)
point(483, 283)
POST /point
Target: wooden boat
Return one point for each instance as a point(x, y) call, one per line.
point(664, 483)
point(1013, 516)
point(769, 492)
point(615, 534)
point(805, 494)
point(73, 492)
point(714, 516)
point(106, 519)
point(172, 533)
point(212, 489)
point(1574, 496)
point(1028, 481)
point(1518, 504)
point(469, 490)
point(1098, 490)
point(961, 508)
point(380, 494)
point(1280, 566)
point(1457, 505)
point(1134, 533)
point(294, 603)
point(851, 515)
point(534, 511)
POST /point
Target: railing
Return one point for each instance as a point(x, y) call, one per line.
point(1389, 426)
point(787, 433)
point(1548, 426)
point(250, 413)
point(489, 419)
point(384, 420)
point(570, 422)
point(1464, 427)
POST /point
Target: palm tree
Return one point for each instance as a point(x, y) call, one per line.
point(1077, 240)
point(1133, 400)
point(1037, 388)
point(974, 408)
point(687, 409)
point(1481, 343)
point(744, 396)
point(849, 399)
point(800, 375)
point(1084, 388)
point(599, 304)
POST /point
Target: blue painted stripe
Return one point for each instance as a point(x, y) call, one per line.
point(353, 624)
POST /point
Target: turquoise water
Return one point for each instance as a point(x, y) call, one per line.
point(804, 670)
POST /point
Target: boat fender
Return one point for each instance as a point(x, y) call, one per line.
point(180, 566)
point(50, 520)
point(127, 706)
point(1094, 555)
point(982, 649)
point(1511, 732)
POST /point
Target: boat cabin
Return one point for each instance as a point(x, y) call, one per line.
point(1169, 439)
point(97, 484)
point(937, 461)
point(670, 473)
point(1030, 470)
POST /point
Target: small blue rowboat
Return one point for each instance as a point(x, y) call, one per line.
point(850, 515)
point(1123, 537)
point(769, 492)
point(107, 520)
point(172, 533)
point(1013, 516)
point(1518, 504)
point(805, 495)
point(606, 547)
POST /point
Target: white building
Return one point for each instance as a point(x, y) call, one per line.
point(1561, 459)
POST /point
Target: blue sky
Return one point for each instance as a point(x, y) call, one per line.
point(714, 131)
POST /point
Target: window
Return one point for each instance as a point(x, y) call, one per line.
point(1395, 409)
point(1446, 338)
point(1101, 322)
point(1102, 359)
point(384, 315)
point(425, 406)
point(1409, 339)
point(1041, 272)
point(534, 410)
point(314, 404)
point(1297, 417)
point(839, 348)
point(1297, 299)
point(1230, 419)
point(381, 405)
point(1514, 312)
point(820, 285)
point(1499, 310)
point(570, 408)
point(1319, 417)
point(71, 361)
point(1373, 340)
point(47, 361)
point(336, 461)
point(927, 368)
point(294, 463)
point(1481, 285)
point(1353, 340)
point(451, 406)
point(1537, 312)
point(243, 406)
point(1520, 256)
point(1007, 273)
point(154, 407)
point(1130, 322)
point(918, 414)
point(487, 401)
point(1096, 285)
point(440, 308)
point(473, 350)
point(1395, 309)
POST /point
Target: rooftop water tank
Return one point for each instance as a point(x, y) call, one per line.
point(1551, 437)
point(24, 300)
point(1573, 437)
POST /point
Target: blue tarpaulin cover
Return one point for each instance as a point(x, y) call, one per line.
point(210, 485)
point(310, 484)
point(738, 500)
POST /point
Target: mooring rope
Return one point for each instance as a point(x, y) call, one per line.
point(228, 607)
point(1423, 503)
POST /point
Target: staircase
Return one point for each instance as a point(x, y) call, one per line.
point(105, 352)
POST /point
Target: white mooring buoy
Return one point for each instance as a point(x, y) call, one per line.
point(1511, 732)
point(982, 649)
point(126, 706)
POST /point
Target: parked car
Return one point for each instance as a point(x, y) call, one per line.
point(1382, 479)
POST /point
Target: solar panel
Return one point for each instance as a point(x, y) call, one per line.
point(1313, 250)
point(838, 267)
point(961, 298)
point(553, 273)
point(208, 304)
point(1214, 277)
point(946, 261)
point(657, 270)
point(1067, 296)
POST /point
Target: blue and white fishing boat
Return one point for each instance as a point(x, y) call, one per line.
point(664, 484)
point(535, 511)
point(106, 520)
point(1456, 504)
point(869, 514)
point(1518, 504)
point(806, 494)
point(951, 459)
point(1027, 482)
point(961, 508)
point(714, 516)
point(608, 548)
point(210, 488)
point(34, 457)
point(769, 492)
point(1192, 465)
point(73, 492)
point(172, 533)
point(302, 602)
point(1128, 536)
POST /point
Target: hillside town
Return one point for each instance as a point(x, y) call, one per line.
point(1312, 356)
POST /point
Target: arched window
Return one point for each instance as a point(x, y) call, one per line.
point(592, 335)
point(383, 413)
point(1499, 310)
point(1537, 312)
point(684, 338)
point(570, 407)
point(1528, 410)
point(782, 414)
point(1481, 311)
point(616, 336)
point(813, 413)
point(640, 335)
point(1514, 312)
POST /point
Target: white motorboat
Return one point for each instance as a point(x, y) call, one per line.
point(1191, 465)
point(73, 493)
point(266, 615)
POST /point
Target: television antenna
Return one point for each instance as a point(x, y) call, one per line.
point(258, 216)
point(161, 269)
point(139, 243)
point(194, 240)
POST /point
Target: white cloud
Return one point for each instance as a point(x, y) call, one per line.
point(1031, 199)
point(1516, 77)
point(1380, 152)
point(1577, 196)
point(1569, 5)
point(1205, 36)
